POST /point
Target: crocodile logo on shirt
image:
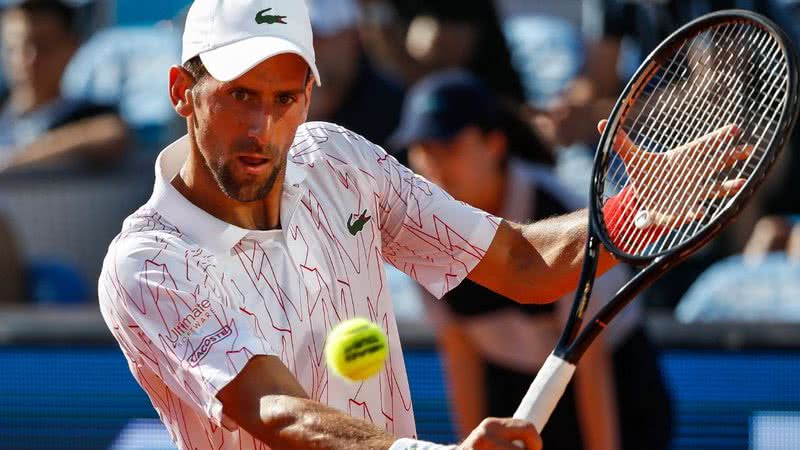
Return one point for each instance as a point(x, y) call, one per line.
point(268, 19)
point(358, 225)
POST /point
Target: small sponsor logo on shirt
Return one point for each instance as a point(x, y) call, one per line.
point(206, 344)
point(191, 322)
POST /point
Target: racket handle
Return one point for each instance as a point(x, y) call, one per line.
point(545, 391)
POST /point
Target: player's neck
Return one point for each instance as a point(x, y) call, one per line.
point(196, 183)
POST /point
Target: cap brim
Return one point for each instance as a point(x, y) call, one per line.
point(233, 60)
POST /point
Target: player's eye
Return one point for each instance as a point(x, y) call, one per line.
point(286, 99)
point(240, 95)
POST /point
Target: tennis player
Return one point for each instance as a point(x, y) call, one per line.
point(263, 232)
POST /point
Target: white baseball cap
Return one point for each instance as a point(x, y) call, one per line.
point(233, 36)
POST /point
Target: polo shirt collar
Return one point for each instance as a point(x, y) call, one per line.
point(208, 231)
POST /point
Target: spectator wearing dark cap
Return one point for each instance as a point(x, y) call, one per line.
point(457, 135)
point(37, 124)
point(351, 83)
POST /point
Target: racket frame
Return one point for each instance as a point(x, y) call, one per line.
point(574, 342)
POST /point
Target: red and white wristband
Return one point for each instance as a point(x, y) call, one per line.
point(414, 444)
point(621, 210)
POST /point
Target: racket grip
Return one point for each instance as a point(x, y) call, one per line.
point(545, 391)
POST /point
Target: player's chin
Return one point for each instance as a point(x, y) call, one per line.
point(246, 187)
point(248, 193)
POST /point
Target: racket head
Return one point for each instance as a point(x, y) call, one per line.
point(664, 81)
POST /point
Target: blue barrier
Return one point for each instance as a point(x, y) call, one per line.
point(82, 397)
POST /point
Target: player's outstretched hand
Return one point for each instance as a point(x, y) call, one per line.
point(673, 185)
point(501, 434)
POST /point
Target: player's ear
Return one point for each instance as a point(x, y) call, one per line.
point(310, 82)
point(180, 90)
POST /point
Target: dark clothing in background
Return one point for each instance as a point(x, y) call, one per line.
point(372, 107)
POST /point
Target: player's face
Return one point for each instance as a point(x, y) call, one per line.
point(459, 165)
point(245, 127)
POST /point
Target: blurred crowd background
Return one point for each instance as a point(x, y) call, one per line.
point(495, 100)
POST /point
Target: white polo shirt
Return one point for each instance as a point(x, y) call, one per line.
point(191, 298)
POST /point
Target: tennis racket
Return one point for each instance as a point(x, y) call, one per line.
point(691, 137)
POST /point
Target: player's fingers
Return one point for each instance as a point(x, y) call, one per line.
point(726, 188)
point(738, 153)
point(713, 140)
point(622, 144)
point(673, 219)
point(495, 443)
point(716, 161)
point(511, 430)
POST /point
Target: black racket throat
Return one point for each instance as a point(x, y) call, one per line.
point(574, 341)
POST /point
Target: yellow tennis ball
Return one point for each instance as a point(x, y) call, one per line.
point(356, 349)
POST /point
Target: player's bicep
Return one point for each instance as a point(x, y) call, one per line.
point(511, 265)
point(262, 376)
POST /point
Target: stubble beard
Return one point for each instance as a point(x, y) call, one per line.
point(242, 192)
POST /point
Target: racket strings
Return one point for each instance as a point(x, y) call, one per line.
point(657, 92)
point(740, 108)
point(666, 113)
point(714, 81)
point(697, 190)
point(665, 100)
point(726, 109)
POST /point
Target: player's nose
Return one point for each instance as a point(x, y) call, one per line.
point(261, 127)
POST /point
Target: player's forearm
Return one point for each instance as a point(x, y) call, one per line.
point(538, 262)
point(548, 262)
point(293, 423)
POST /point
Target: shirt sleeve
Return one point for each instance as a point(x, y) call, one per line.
point(427, 234)
point(168, 309)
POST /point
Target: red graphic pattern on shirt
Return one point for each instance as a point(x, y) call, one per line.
point(270, 301)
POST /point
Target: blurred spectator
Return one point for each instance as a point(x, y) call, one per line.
point(761, 284)
point(12, 280)
point(37, 124)
point(548, 53)
point(414, 38)
point(736, 290)
point(126, 66)
point(456, 132)
point(773, 234)
point(351, 86)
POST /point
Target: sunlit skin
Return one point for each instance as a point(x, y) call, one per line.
point(240, 133)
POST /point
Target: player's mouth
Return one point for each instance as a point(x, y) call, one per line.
point(254, 164)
